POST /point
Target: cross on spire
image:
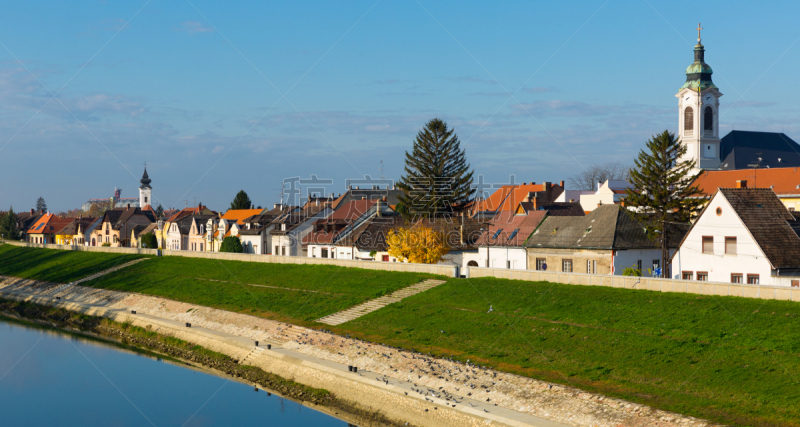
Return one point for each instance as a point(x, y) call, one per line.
point(145, 164)
point(698, 32)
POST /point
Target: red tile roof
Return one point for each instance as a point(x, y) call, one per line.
point(239, 215)
point(351, 210)
point(508, 229)
point(49, 224)
point(783, 181)
point(508, 197)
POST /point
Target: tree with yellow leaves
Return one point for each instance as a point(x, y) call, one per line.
point(418, 244)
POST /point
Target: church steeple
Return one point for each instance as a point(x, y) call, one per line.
point(145, 190)
point(698, 75)
point(145, 179)
point(698, 106)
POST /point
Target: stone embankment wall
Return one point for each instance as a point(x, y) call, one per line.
point(644, 283)
point(530, 398)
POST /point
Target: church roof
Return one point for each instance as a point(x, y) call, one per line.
point(698, 74)
point(145, 180)
point(742, 149)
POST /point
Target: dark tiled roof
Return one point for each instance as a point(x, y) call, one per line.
point(769, 222)
point(607, 227)
point(355, 194)
point(557, 208)
point(451, 226)
point(741, 149)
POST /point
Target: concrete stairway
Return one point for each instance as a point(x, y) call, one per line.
point(378, 303)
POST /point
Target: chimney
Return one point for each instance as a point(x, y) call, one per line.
point(741, 183)
point(561, 183)
point(600, 203)
point(363, 197)
point(32, 211)
point(535, 201)
point(317, 203)
point(572, 200)
point(622, 202)
point(129, 206)
point(278, 206)
point(378, 208)
point(383, 198)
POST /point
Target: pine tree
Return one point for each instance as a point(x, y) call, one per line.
point(662, 192)
point(159, 211)
point(8, 225)
point(241, 201)
point(41, 205)
point(438, 179)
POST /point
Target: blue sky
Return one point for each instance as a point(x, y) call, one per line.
point(539, 90)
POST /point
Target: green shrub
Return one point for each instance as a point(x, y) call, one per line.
point(231, 244)
point(632, 271)
point(106, 244)
point(149, 241)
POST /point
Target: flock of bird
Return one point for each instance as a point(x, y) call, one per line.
point(468, 379)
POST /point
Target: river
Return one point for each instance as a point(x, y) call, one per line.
point(48, 377)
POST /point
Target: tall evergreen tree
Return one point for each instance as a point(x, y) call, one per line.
point(241, 201)
point(438, 179)
point(40, 204)
point(159, 211)
point(8, 225)
point(662, 192)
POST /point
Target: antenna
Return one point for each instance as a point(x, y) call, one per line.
point(382, 177)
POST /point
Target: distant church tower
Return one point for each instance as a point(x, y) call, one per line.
point(145, 190)
point(698, 102)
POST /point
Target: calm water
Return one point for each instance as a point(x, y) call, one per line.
point(50, 378)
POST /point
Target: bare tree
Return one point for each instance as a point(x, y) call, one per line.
point(588, 179)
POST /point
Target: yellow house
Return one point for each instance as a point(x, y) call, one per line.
point(163, 225)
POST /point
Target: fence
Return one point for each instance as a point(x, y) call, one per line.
point(645, 283)
point(443, 270)
point(583, 279)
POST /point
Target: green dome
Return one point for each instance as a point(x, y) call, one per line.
point(698, 75)
point(700, 67)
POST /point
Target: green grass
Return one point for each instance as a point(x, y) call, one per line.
point(56, 266)
point(298, 293)
point(731, 360)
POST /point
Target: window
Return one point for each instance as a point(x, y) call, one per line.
point(283, 250)
point(276, 251)
point(566, 265)
point(656, 264)
point(708, 121)
point(796, 283)
point(385, 258)
point(313, 252)
point(201, 247)
point(702, 276)
point(591, 266)
point(469, 264)
point(719, 211)
point(324, 253)
point(736, 278)
point(708, 244)
point(497, 233)
point(752, 279)
point(541, 264)
point(687, 275)
point(639, 265)
point(730, 245)
point(513, 233)
point(688, 120)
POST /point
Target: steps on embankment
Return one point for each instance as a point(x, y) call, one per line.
point(378, 303)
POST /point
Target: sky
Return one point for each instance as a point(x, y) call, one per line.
point(218, 97)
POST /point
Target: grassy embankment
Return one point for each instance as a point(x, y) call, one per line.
point(731, 360)
point(56, 266)
point(296, 293)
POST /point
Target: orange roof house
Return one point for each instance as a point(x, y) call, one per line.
point(239, 215)
point(508, 197)
point(785, 182)
point(44, 230)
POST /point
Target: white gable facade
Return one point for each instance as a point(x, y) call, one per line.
point(742, 261)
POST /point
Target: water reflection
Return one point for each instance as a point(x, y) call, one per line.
point(50, 378)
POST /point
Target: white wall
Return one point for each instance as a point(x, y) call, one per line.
point(748, 260)
point(498, 256)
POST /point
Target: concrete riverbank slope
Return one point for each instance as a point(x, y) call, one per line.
point(400, 384)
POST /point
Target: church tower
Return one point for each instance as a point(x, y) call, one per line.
point(145, 190)
point(698, 106)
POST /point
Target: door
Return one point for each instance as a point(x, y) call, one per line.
point(385, 258)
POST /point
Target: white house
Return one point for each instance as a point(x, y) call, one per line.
point(332, 237)
point(744, 235)
point(608, 193)
point(289, 230)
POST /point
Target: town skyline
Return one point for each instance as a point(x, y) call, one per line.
point(189, 90)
